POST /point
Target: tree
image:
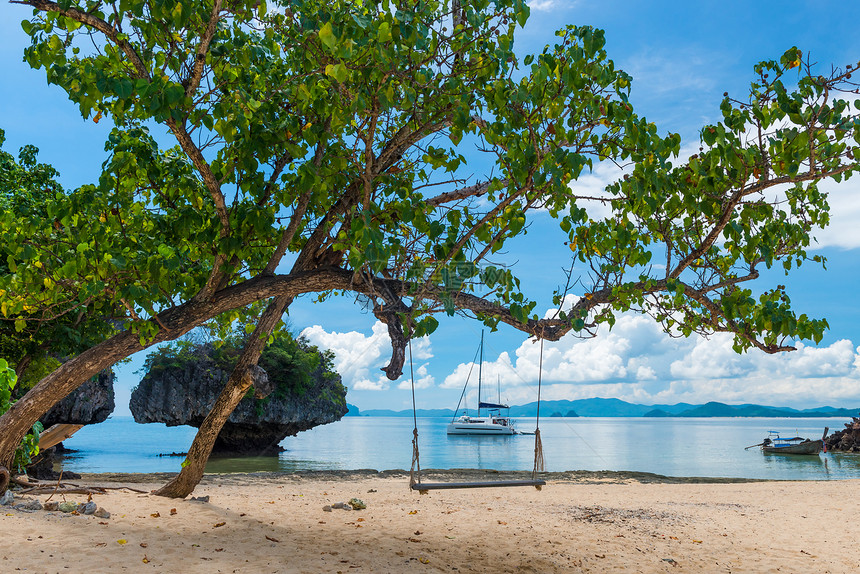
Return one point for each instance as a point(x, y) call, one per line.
point(322, 148)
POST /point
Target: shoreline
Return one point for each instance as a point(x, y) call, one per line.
point(438, 475)
point(591, 522)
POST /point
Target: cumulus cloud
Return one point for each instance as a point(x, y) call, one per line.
point(634, 361)
point(637, 362)
point(423, 379)
point(359, 357)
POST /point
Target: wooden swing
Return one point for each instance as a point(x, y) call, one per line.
point(425, 487)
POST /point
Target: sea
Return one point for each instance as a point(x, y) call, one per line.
point(678, 447)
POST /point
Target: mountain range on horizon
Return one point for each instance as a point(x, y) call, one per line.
point(600, 407)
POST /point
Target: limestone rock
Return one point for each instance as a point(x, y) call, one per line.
point(263, 386)
point(89, 404)
point(183, 394)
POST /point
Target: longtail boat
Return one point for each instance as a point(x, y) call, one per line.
point(775, 444)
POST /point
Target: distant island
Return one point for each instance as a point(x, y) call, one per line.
point(617, 408)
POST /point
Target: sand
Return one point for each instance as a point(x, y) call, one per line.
point(579, 522)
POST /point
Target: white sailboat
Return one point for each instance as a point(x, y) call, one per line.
point(492, 424)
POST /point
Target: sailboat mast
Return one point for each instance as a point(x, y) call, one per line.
point(480, 366)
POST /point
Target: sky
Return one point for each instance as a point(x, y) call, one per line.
point(682, 56)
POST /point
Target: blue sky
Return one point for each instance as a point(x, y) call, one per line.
point(683, 56)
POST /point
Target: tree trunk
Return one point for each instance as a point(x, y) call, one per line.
point(18, 420)
point(234, 391)
point(57, 434)
point(22, 365)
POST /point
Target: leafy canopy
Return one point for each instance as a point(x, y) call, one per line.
point(392, 150)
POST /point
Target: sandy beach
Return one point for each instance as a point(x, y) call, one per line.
point(579, 522)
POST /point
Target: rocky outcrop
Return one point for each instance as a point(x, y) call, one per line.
point(183, 394)
point(847, 440)
point(89, 404)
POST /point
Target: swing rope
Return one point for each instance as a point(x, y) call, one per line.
point(539, 460)
point(415, 470)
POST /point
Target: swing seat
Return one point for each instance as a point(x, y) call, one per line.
point(425, 487)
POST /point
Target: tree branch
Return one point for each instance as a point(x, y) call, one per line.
point(476, 190)
point(193, 82)
point(93, 22)
point(733, 202)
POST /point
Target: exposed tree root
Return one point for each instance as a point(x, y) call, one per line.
point(77, 490)
point(22, 480)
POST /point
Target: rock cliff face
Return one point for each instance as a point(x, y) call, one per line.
point(184, 394)
point(89, 404)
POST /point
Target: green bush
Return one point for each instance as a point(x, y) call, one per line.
point(173, 356)
point(289, 361)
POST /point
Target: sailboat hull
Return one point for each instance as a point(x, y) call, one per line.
point(493, 424)
point(472, 426)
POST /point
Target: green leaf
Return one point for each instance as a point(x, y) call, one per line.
point(523, 13)
point(327, 36)
point(124, 88)
point(383, 34)
point(337, 71)
point(54, 43)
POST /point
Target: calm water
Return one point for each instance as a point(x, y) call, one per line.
point(673, 447)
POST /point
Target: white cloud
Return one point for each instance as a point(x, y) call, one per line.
point(491, 371)
point(634, 361)
point(663, 72)
point(645, 373)
point(632, 350)
point(547, 5)
point(423, 379)
point(359, 358)
point(637, 362)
